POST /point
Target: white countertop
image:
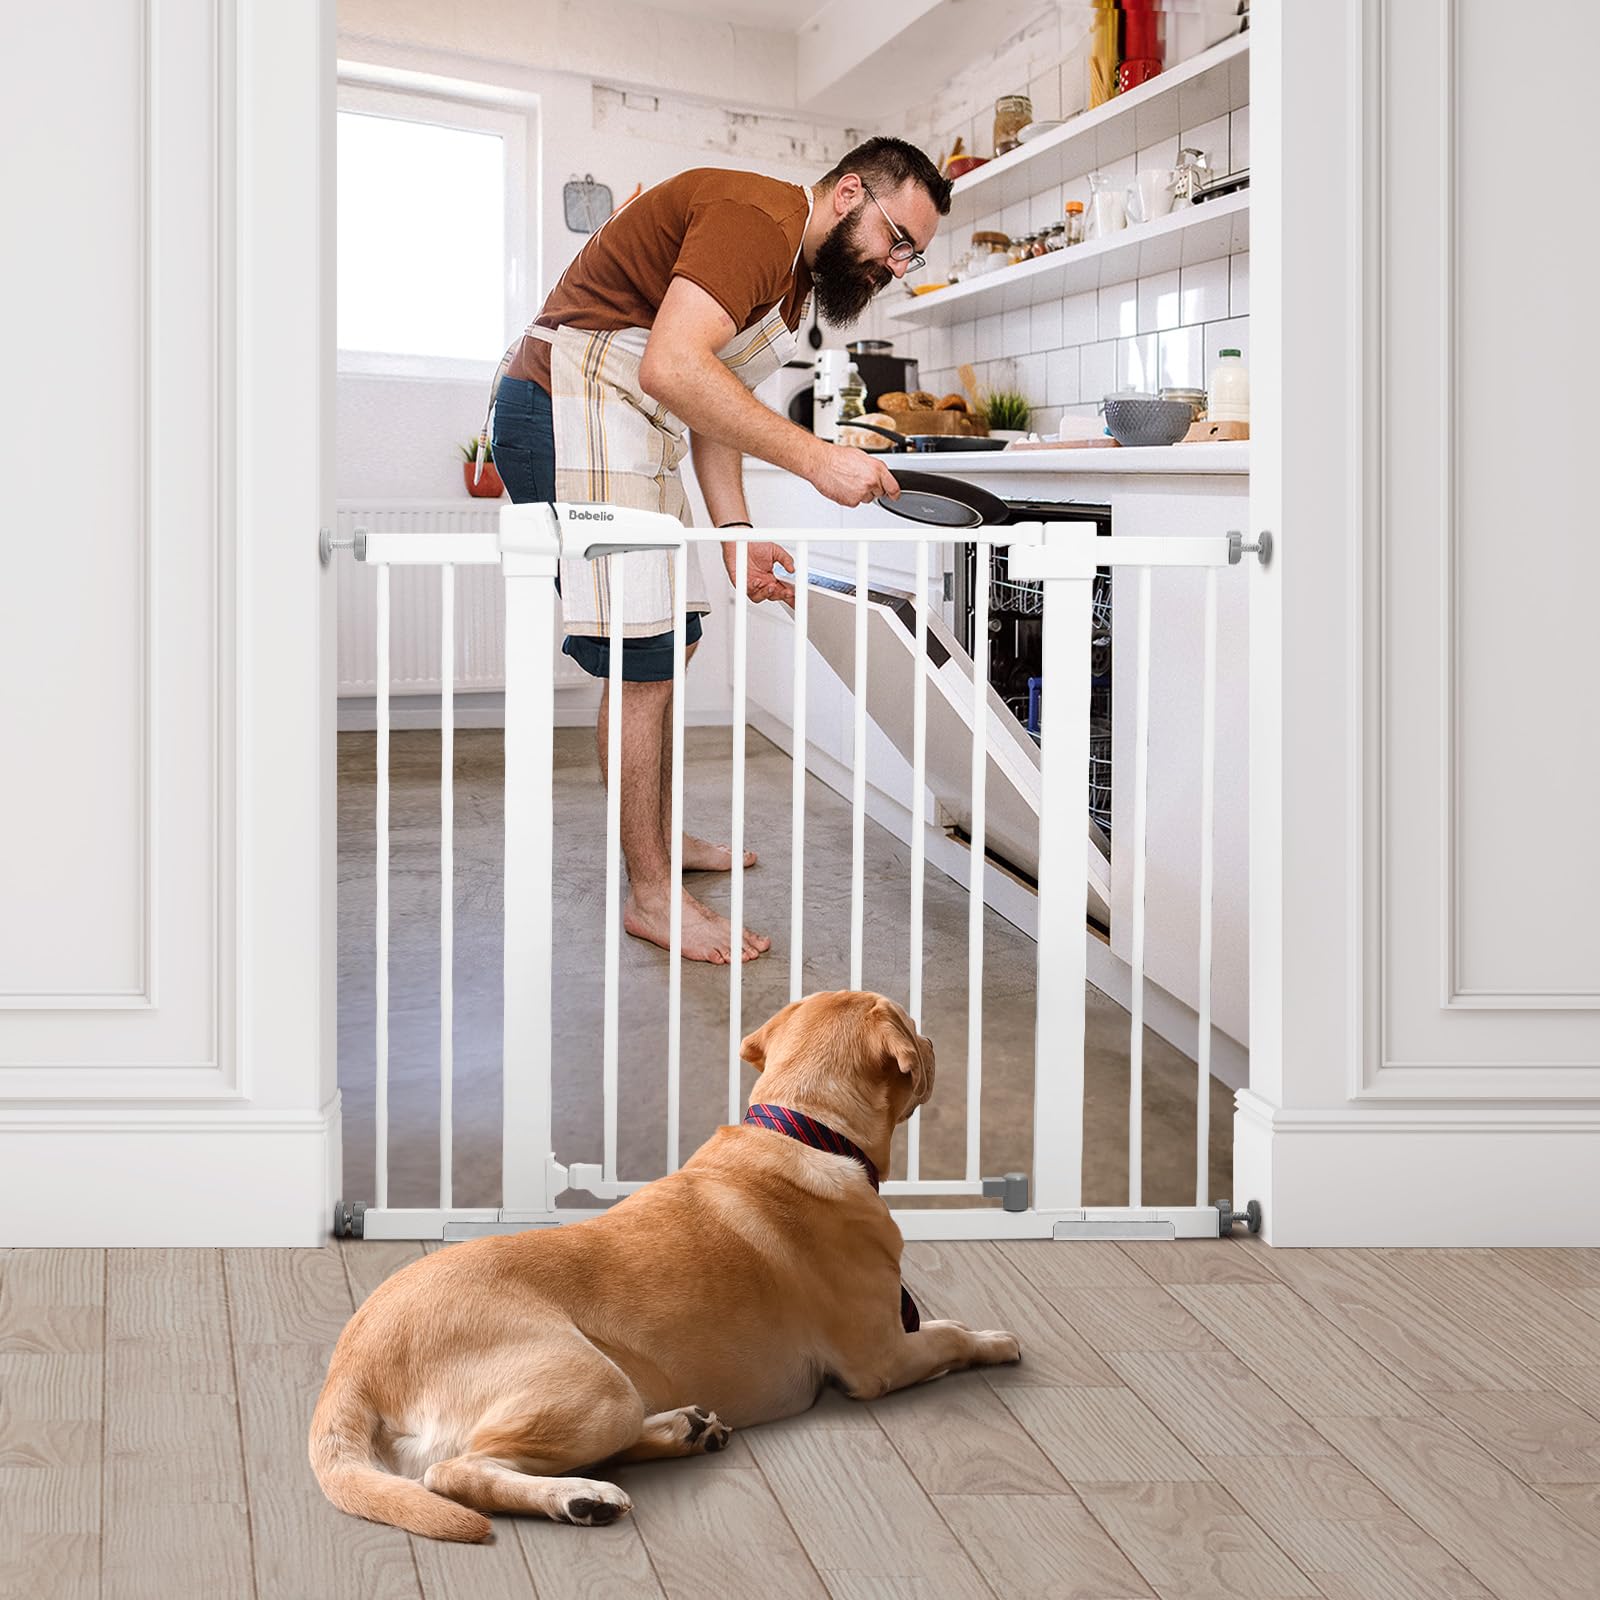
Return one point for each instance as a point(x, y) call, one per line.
point(1224, 458)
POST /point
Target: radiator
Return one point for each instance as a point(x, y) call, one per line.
point(414, 607)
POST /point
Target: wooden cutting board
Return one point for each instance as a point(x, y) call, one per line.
point(1106, 443)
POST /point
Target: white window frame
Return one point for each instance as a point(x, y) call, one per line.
point(442, 111)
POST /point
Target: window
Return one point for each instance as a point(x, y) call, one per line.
point(430, 233)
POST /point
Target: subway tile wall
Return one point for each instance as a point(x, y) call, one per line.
point(1065, 356)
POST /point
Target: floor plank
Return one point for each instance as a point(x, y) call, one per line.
point(972, 1283)
point(1073, 1264)
point(1537, 1324)
point(1313, 1366)
point(1201, 1260)
point(1418, 1337)
point(1041, 1547)
point(287, 1308)
point(570, 1563)
point(685, 1509)
point(1512, 1541)
point(1192, 1541)
point(1102, 1436)
point(1543, 1438)
point(175, 1499)
point(1118, 1319)
point(1343, 1531)
point(52, 1379)
point(1579, 1502)
point(1215, 1405)
point(957, 1437)
point(494, 1571)
point(860, 1515)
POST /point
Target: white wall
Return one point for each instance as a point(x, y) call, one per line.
point(1425, 981)
point(166, 839)
point(398, 437)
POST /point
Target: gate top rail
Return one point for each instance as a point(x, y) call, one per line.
point(582, 531)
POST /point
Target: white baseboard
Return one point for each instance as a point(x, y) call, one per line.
point(106, 1178)
point(1420, 1177)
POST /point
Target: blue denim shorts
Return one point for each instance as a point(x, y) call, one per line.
point(523, 433)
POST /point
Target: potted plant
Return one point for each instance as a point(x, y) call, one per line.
point(488, 486)
point(1007, 414)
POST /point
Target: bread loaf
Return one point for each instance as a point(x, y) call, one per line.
point(951, 402)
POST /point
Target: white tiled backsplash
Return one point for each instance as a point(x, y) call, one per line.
point(1065, 356)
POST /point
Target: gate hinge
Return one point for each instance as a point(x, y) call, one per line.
point(349, 1219)
point(1011, 1190)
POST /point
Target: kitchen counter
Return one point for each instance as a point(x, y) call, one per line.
point(1230, 458)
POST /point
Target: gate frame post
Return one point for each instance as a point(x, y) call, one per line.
point(530, 549)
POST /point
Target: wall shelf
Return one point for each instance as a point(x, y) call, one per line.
point(1197, 233)
point(1206, 86)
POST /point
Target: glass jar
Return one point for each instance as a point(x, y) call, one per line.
point(1056, 238)
point(1038, 245)
point(852, 394)
point(1074, 222)
point(989, 251)
point(1012, 113)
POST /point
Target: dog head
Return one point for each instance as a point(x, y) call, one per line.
point(847, 1047)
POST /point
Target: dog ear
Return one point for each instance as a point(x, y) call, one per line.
point(753, 1047)
point(903, 1049)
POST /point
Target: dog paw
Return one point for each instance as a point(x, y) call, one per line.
point(997, 1348)
point(707, 1432)
point(592, 1504)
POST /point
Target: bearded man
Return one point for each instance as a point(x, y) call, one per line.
point(651, 343)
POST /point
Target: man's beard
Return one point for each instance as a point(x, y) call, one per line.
point(844, 278)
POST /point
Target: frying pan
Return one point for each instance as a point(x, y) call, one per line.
point(929, 442)
point(933, 498)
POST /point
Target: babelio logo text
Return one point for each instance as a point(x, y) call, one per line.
point(575, 515)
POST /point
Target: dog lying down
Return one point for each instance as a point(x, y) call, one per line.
point(480, 1378)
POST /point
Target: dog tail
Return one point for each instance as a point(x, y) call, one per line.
point(342, 1459)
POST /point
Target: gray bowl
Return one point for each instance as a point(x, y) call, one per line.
point(1135, 420)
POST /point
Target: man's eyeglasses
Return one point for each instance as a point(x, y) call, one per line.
point(902, 249)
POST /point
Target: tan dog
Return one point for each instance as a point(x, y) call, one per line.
point(722, 1295)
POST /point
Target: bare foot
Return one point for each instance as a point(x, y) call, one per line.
point(699, 856)
point(706, 936)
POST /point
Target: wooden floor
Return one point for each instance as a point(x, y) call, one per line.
point(1190, 1421)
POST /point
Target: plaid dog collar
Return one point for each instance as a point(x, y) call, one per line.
point(807, 1130)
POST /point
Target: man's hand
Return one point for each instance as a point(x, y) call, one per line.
point(852, 477)
point(762, 582)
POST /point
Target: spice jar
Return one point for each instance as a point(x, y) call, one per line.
point(1017, 252)
point(1012, 113)
point(989, 250)
point(1056, 238)
point(1037, 245)
point(1074, 222)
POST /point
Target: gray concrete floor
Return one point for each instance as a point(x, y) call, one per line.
point(1008, 1000)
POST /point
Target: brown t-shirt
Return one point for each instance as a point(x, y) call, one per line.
point(735, 234)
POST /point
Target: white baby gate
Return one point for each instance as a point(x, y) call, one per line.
point(1063, 556)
